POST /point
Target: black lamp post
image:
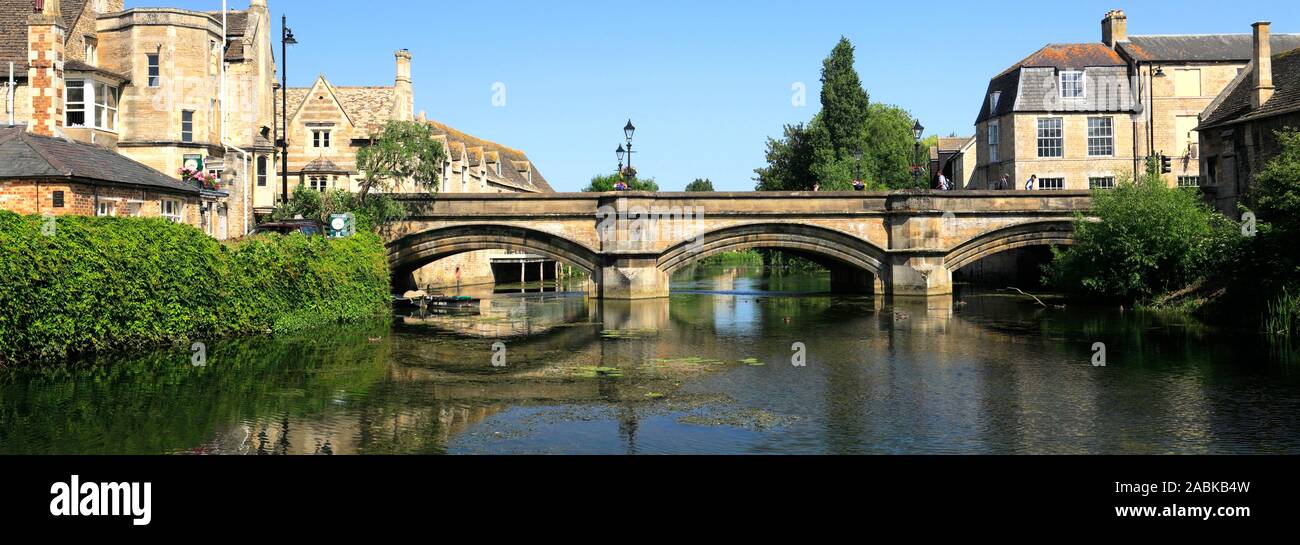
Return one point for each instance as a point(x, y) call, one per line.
point(917, 131)
point(621, 154)
point(628, 131)
point(286, 40)
point(857, 168)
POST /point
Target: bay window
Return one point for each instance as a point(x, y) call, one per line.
point(90, 104)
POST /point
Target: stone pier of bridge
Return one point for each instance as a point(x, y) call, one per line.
point(906, 243)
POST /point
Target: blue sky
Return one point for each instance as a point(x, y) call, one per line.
point(705, 82)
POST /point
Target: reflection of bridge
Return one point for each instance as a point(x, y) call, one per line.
point(902, 243)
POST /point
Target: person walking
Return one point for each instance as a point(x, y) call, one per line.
point(944, 184)
point(1004, 183)
point(1033, 182)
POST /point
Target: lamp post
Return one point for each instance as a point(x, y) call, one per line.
point(857, 167)
point(628, 131)
point(917, 131)
point(286, 40)
point(621, 154)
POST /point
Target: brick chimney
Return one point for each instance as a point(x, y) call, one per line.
point(1114, 28)
point(1263, 78)
point(404, 105)
point(45, 43)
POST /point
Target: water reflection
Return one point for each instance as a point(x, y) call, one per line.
point(707, 371)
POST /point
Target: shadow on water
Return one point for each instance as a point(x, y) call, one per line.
point(709, 370)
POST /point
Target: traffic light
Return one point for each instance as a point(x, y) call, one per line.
point(1166, 164)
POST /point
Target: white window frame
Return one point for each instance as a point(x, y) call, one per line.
point(1183, 181)
point(154, 63)
point(262, 163)
point(318, 183)
point(1054, 134)
point(1097, 141)
point(1082, 84)
point(105, 209)
point(320, 138)
point(1057, 183)
point(98, 106)
point(172, 209)
point(92, 51)
point(995, 140)
point(1101, 182)
point(190, 132)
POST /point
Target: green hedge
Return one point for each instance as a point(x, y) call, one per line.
point(103, 284)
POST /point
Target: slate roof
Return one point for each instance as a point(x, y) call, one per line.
point(953, 144)
point(323, 166)
point(26, 155)
point(513, 160)
point(236, 28)
point(369, 108)
point(13, 31)
point(1202, 47)
point(1233, 106)
point(1031, 85)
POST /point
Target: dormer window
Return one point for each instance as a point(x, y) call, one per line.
point(1072, 84)
point(994, 97)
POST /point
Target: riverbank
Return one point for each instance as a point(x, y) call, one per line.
point(79, 286)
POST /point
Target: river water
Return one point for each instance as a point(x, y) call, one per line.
point(735, 362)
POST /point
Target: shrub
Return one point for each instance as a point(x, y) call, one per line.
point(1151, 239)
point(105, 284)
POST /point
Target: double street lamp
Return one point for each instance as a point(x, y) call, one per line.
point(622, 152)
point(286, 40)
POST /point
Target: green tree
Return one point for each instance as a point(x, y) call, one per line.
point(789, 162)
point(893, 148)
point(701, 185)
point(606, 182)
point(375, 214)
point(404, 150)
point(1148, 240)
point(843, 127)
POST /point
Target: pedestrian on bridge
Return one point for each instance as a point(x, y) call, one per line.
point(1033, 181)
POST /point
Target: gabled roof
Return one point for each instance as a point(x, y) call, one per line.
point(368, 107)
point(322, 165)
point(948, 145)
point(1233, 105)
point(13, 31)
point(1201, 47)
point(26, 155)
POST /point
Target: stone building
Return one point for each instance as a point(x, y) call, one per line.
point(1081, 115)
point(166, 87)
point(328, 124)
point(55, 176)
point(954, 157)
point(1238, 130)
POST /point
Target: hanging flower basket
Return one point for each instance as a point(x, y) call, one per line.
point(201, 179)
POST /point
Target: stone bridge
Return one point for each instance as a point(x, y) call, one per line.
point(899, 243)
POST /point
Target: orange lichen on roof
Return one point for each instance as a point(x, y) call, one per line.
point(1069, 56)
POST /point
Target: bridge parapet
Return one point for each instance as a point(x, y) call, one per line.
point(908, 241)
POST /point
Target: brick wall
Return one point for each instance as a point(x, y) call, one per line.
point(38, 197)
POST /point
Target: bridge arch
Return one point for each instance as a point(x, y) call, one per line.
point(417, 250)
point(825, 246)
point(1038, 233)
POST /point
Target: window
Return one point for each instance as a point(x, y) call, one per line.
point(105, 209)
point(1101, 136)
point(74, 106)
point(1072, 84)
point(320, 139)
point(1189, 181)
point(1107, 182)
point(92, 51)
point(994, 98)
point(212, 117)
point(995, 139)
point(58, 199)
point(1051, 184)
point(89, 103)
point(155, 73)
point(187, 126)
point(318, 183)
point(172, 210)
point(1051, 137)
point(261, 171)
